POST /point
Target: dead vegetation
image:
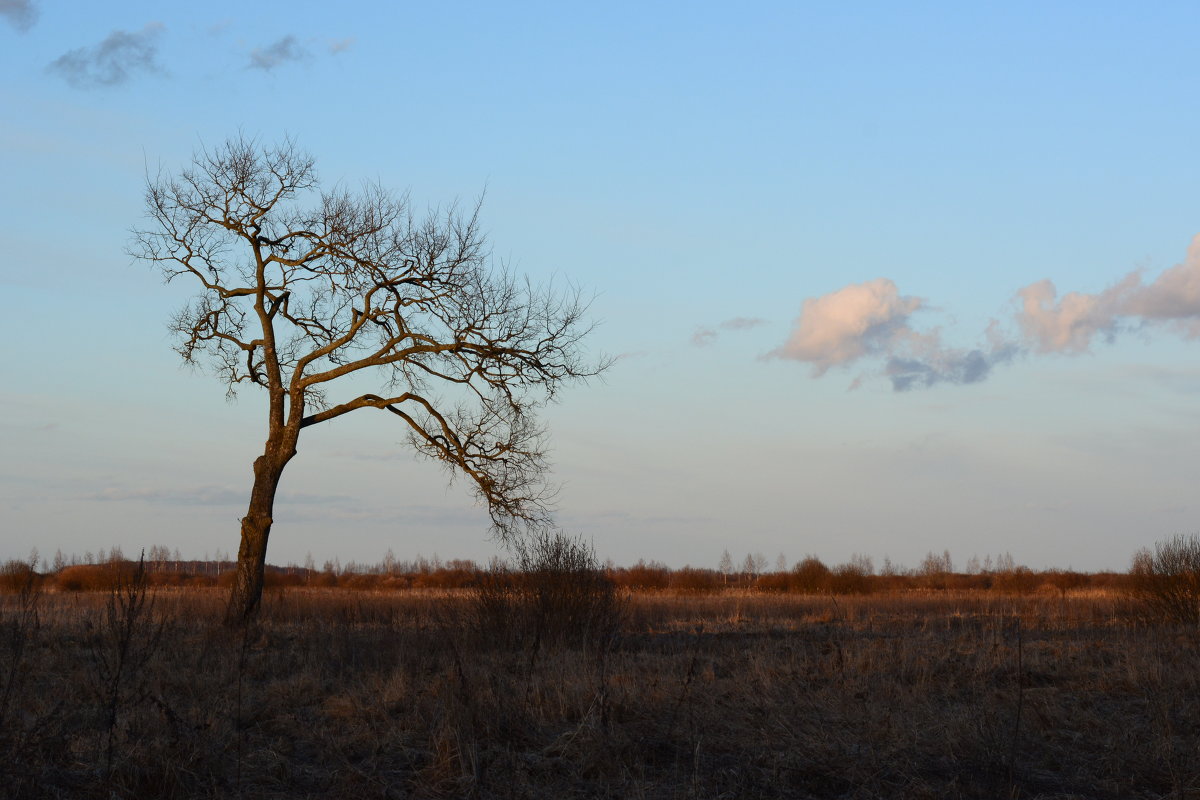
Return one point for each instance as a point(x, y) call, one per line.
point(336, 693)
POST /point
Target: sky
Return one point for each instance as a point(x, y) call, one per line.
point(881, 279)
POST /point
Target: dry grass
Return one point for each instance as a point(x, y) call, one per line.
point(354, 694)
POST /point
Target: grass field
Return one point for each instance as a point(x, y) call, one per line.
point(335, 693)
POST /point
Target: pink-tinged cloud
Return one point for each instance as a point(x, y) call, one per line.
point(862, 319)
point(872, 320)
point(1070, 324)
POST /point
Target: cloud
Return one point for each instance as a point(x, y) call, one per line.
point(862, 319)
point(197, 496)
point(705, 336)
point(21, 14)
point(285, 50)
point(873, 320)
point(215, 496)
point(948, 366)
point(742, 323)
point(111, 62)
point(1072, 323)
point(341, 45)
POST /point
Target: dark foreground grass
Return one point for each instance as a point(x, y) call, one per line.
point(339, 694)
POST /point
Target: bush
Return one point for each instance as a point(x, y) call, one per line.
point(17, 577)
point(557, 594)
point(95, 577)
point(1168, 579)
point(849, 579)
point(1018, 580)
point(693, 579)
point(644, 577)
point(774, 582)
point(810, 576)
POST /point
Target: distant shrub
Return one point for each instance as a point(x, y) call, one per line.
point(17, 576)
point(691, 579)
point(1111, 581)
point(774, 582)
point(323, 580)
point(1018, 580)
point(445, 578)
point(359, 582)
point(810, 576)
point(1063, 581)
point(395, 583)
point(849, 579)
point(95, 577)
point(975, 582)
point(274, 579)
point(644, 576)
point(1168, 579)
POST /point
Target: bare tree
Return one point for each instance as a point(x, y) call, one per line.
point(725, 566)
point(302, 289)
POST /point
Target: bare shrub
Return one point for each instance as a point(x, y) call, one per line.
point(644, 576)
point(1168, 579)
point(496, 600)
point(849, 578)
point(1016, 580)
point(556, 594)
point(17, 576)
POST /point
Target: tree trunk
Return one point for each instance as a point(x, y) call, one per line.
point(256, 528)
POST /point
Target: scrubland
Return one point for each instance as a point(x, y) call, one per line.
point(138, 691)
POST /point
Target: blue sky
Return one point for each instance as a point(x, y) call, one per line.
point(786, 212)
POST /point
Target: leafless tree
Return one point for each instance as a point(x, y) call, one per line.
point(302, 290)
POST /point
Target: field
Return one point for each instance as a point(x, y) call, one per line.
point(435, 694)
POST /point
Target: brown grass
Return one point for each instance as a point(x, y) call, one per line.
point(363, 694)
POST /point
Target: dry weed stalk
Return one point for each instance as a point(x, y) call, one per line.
point(123, 643)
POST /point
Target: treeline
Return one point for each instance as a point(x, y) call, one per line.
point(808, 576)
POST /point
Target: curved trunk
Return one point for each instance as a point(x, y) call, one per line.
point(256, 528)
